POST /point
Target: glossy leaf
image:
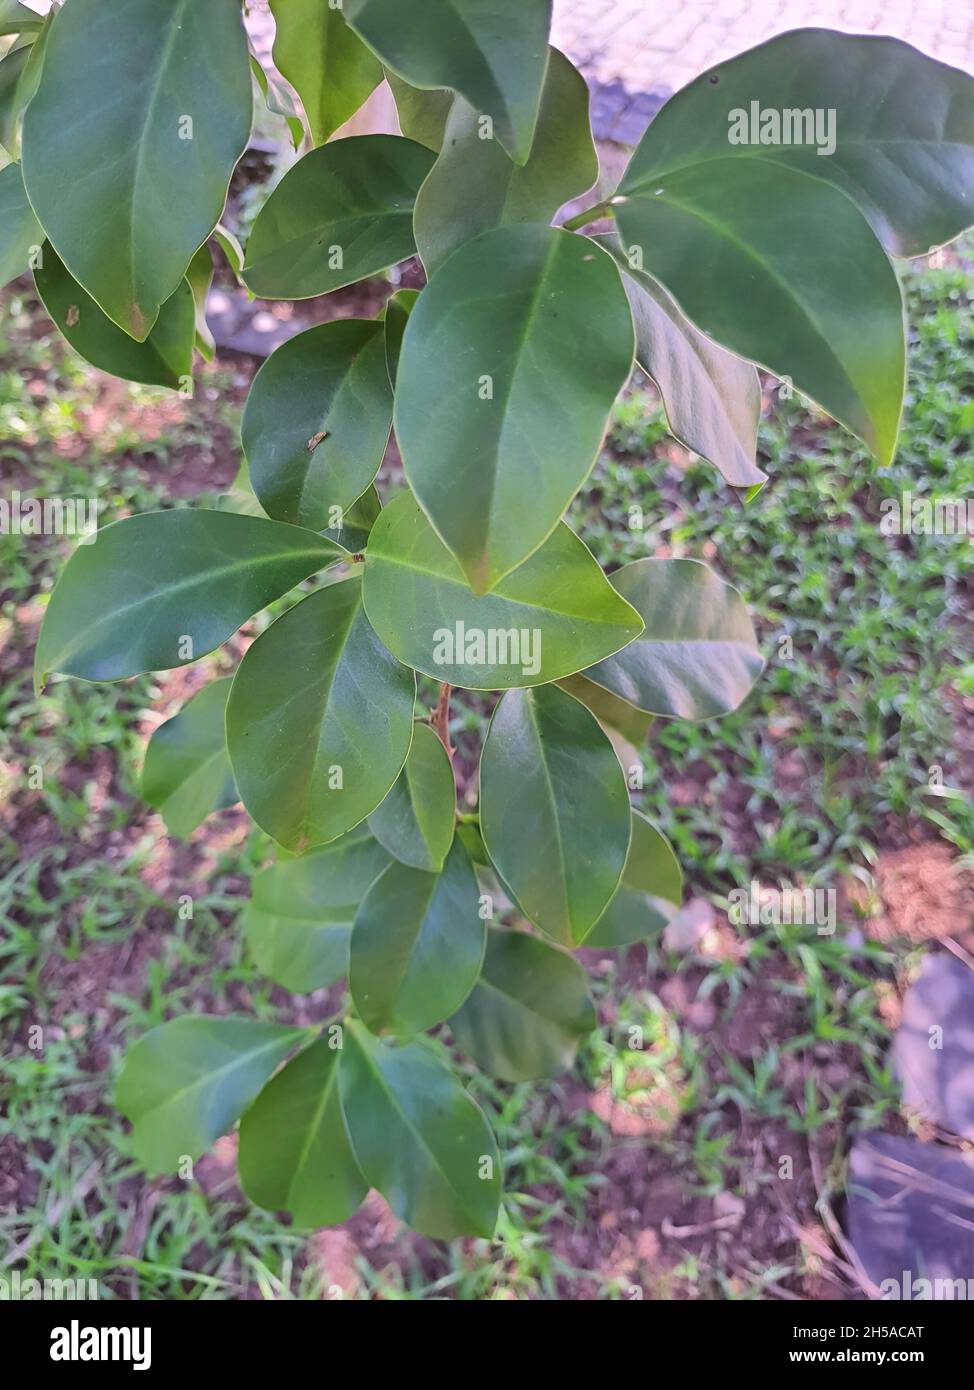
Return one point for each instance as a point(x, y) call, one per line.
point(299, 918)
point(343, 212)
point(419, 1138)
point(163, 589)
point(712, 399)
point(697, 657)
point(20, 232)
point(294, 1151)
point(609, 710)
point(415, 822)
point(540, 623)
point(783, 269)
point(319, 720)
point(554, 810)
point(164, 359)
point(422, 115)
point(510, 363)
point(475, 185)
point(417, 946)
point(495, 55)
point(891, 127)
point(127, 200)
point(395, 318)
point(528, 1010)
point(317, 421)
point(325, 62)
point(186, 1082)
point(649, 895)
point(187, 772)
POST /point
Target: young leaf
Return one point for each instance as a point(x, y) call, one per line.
point(20, 232)
point(395, 317)
point(495, 55)
point(712, 399)
point(299, 918)
point(186, 1082)
point(187, 772)
point(294, 1151)
point(165, 358)
point(697, 657)
point(528, 1010)
point(418, 1137)
point(417, 946)
point(200, 278)
point(319, 720)
point(554, 810)
point(343, 212)
point(510, 364)
point(891, 127)
point(540, 623)
point(127, 199)
point(475, 185)
point(317, 421)
point(163, 589)
point(422, 115)
point(648, 896)
point(326, 63)
point(279, 100)
point(783, 269)
point(13, 70)
point(415, 822)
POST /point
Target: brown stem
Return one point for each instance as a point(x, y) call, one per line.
point(440, 719)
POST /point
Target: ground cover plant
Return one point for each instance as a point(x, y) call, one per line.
point(498, 378)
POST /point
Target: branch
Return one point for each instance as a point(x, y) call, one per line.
point(440, 719)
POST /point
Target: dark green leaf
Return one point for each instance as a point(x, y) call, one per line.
point(343, 212)
point(540, 623)
point(528, 1010)
point(422, 115)
point(326, 63)
point(187, 772)
point(510, 364)
point(648, 896)
point(494, 54)
point(128, 198)
point(419, 1138)
point(319, 720)
point(554, 810)
point(299, 918)
point(415, 822)
point(20, 232)
point(357, 522)
point(163, 589)
point(698, 656)
point(294, 1152)
point(185, 1083)
point(317, 421)
point(417, 945)
point(475, 185)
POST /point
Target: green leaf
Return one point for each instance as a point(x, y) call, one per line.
point(357, 522)
point(13, 69)
point(541, 623)
point(294, 1151)
point(415, 822)
point(902, 123)
point(17, 19)
point(510, 364)
point(495, 55)
point(187, 772)
point(649, 895)
point(554, 810)
point(326, 63)
point(475, 185)
point(422, 115)
point(395, 317)
point(299, 918)
point(712, 399)
point(528, 1011)
point(697, 657)
point(343, 212)
point(783, 269)
point(200, 278)
point(609, 710)
point(279, 100)
point(419, 1138)
point(20, 232)
point(186, 1082)
point(319, 720)
point(165, 358)
point(128, 199)
point(163, 589)
point(317, 421)
point(417, 946)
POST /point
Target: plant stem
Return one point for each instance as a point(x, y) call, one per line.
point(582, 219)
point(440, 720)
